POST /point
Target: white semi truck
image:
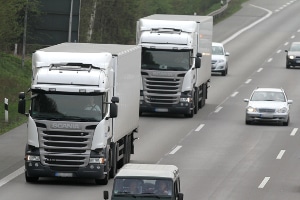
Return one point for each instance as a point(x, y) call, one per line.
point(75, 127)
point(176, 62)
point(146, 181)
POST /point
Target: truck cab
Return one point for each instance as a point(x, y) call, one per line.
point(146, 181)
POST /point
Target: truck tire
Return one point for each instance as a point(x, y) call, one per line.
point(102, 181)
point(113, 161)
point(31, 179)
point(196, 101)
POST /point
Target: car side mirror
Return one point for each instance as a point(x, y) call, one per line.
point(290, 101)
point(246, 100)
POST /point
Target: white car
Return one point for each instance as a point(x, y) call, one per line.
point(268, 105)
point(219, 59)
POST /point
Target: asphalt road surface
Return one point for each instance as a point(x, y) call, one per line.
point(219, 157)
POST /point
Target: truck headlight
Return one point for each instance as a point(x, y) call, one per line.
point(186, 99)
point(97, 160)
point(32, 158)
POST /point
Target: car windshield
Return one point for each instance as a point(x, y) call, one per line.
point(142, 187)
point(61, 107)
point(268, 96)
point(217, 50)
point(295, 47)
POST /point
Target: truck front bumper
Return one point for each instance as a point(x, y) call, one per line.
point(36, 169)
point(180, 108)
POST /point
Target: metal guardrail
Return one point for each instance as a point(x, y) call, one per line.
point(221, 10)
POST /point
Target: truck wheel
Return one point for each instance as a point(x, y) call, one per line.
point(113, 161)
point(203, 95)
point(196, 101)
point(31, 179)
point(102, 181)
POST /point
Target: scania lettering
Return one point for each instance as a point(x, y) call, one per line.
point(84, 110)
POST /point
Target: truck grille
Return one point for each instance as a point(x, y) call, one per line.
point(160, 89)
point(65, 148)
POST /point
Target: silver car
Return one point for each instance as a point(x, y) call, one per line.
point(219, 59)
point(268, 105)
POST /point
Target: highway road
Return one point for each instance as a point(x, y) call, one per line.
point(219, 157)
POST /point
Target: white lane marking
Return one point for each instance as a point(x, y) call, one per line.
point(279, 156)
point(264, 182)
point(270, 59)
point(260, 69)
point(278, 51)
point(250, 26)
point(285, 44)
point(248, 81)
point(292, 37)
point(199, 127)
point(11, 176)
point(234, 94)
point(175, 150)
point(218, 109)
point(294, 131)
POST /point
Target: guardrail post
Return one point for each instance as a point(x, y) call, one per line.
point(6, 109)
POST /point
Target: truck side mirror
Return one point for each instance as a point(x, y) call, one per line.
point(180, 196)
point(105, 195)
point(113, 110)
point(22, 103)
point(198, 62)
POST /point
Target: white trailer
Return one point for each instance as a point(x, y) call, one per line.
point(75, 127)
point(174, 77)
point(146, 181)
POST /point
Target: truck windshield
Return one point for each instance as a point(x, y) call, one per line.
point(143, 187)
point(169, 60)
point(62, 107)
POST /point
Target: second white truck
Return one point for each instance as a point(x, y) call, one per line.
point(176, 62)
point(84, 110)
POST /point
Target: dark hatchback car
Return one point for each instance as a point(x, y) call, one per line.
point(293, 55)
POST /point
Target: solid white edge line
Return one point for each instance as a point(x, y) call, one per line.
point(264, 182)
point(199, 127)
point(12, 176)
point(250, 26)
point(175, 150)
point(279, 156)
point(294, 131)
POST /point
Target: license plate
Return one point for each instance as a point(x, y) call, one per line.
point(161, 109)
point(59, 174)
point(266, 115)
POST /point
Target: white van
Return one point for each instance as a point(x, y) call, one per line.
point(146, 181)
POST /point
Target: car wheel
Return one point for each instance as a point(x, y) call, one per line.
point(224, 72)
point(247, 122)
point(286, 123)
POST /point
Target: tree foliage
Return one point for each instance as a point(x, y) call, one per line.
point(12, 13)
point(115, 20)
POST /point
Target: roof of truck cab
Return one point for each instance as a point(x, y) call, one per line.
point(177, 17)
point(89, 48)
point(148, 170)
